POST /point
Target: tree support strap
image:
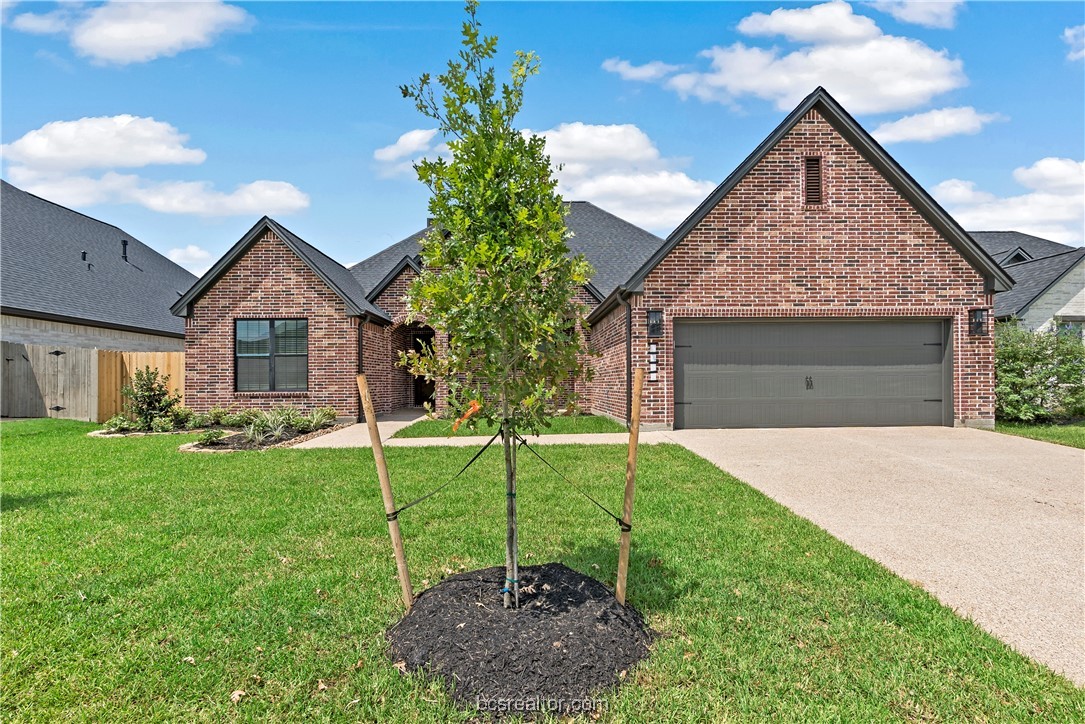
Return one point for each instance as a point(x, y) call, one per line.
point(395, 513)
point(626, 527)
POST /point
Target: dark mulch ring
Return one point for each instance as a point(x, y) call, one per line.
point(570, 640)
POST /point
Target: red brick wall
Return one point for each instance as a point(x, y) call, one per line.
point(865, 252)
point(608, 389)
point(269, 281)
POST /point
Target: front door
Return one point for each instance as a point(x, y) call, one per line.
point(423, 389)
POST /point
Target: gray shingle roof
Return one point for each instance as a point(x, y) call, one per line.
point(614, 247)
point(1032, 279)
point(42, 271)
point(1001, 244)
point(334, 274)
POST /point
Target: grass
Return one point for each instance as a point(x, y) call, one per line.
point(572, 424)
point(1071, 433)
point(143, 584)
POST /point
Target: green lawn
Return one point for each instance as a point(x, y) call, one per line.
point(558, 426)
point(1072, 434)
point(143, 584)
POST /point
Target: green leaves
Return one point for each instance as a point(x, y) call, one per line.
point(1038, 375)
point(498, 278)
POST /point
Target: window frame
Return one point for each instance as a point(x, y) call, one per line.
point(271, 355)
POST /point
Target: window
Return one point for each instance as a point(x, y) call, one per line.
point(271, 355)
point(812, 181)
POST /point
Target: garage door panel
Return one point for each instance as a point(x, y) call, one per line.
point(809, 373)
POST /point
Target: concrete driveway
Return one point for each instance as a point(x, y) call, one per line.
point(990, 524)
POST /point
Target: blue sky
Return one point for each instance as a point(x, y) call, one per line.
point(184, 123)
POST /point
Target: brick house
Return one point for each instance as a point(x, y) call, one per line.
point(818, 285)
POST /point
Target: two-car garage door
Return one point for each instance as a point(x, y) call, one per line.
point(811, 373)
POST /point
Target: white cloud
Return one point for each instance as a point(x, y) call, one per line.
point(929, 13)
point(831, 22)
point(654, 70)
point(868, 71)
point(122, 141)
point(53, 162)
point(1075, 38)
point(136, 32)
point(935, 125)
point(406, 145)
point(194, 258)
point(1053, 208)
point(619, 168)
point(51, 23)
point(399, 158)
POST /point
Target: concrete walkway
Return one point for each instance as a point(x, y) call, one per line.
point(389, 425)
point(990, 524)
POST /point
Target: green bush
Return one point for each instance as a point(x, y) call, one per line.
point(256, 432)
point(198, 420)
point(149, 397)
point(217, 414)
point(211, 437)
point(162, 424)
point(119, 424)
point(181, 416)
point(1038, 375)
point(241, 418)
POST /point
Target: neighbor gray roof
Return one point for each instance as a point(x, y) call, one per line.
point(42, 273)
point(614, 247)
point(1033, 278)
point(334, 274)
point(1001, 245)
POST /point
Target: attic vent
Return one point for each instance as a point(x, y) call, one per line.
point(124, 249)
point(812, 182)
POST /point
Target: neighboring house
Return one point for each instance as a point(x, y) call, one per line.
point(819, 285)
point(1049, 289)
point(69, 280)
point(71, 286)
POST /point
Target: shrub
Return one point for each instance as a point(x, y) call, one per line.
point(286, 414)
point(1038, 375)
point(241, 418)
point(162, 424)
point(181, 416)
point(322, 417)
point(119, 424)
point(198, 420)
point(211, 437)
point(149, 397)
point(217, 414)
point(256, 433)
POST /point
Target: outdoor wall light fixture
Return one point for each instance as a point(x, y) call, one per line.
point(655, 323)
point(977, 322)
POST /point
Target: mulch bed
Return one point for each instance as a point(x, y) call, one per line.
point(236, 441)
point(569, 641)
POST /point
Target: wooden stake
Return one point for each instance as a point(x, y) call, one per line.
point(386, 492)
point(630, 478)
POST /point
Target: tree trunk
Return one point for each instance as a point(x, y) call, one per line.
point(512, 567)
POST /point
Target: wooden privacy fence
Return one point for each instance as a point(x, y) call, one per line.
point(115, 370)
point(75, 383)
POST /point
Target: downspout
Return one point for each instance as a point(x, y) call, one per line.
point(624, 300)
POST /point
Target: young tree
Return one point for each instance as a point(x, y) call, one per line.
point(497, 277)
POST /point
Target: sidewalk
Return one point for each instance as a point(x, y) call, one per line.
point(388, 425)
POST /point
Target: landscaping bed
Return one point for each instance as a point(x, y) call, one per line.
point(569, 641)
point(560, 425)
point(143, 584)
